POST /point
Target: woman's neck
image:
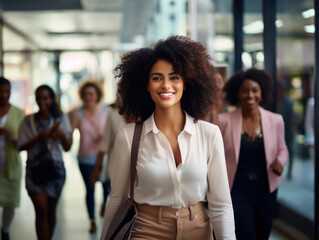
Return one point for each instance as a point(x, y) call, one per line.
point(90, 109)
point(168, 120)
point(250, 113)
point(44, 115)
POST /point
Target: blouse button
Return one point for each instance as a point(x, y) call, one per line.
point(177, 213)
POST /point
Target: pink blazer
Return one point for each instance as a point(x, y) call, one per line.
point(272, 125)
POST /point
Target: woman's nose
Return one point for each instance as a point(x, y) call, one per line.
point(166, 83)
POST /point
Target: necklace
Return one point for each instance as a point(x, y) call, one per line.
point(252, 127)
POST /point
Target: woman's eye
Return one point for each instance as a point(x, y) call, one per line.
point(156, 78)
point(244, 91)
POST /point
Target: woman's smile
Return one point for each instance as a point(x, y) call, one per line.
point(165, 85)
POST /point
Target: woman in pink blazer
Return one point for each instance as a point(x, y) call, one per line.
point(255, 152)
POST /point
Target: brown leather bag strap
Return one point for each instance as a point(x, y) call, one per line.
point(134, 153)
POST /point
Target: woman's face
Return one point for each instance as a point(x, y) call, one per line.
point(44, 100)
point(249, 94)
point(4, 95)
point(89, 96)
point(165, 85)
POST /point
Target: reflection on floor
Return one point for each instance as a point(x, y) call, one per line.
point(298, 193)
point(72, 220)
point(296, 199)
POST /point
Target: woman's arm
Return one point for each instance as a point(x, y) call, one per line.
point(73, 117)
point(97, 168)
point(218, 195)
point(58, 133)
point(282, 154)
point(121, 178)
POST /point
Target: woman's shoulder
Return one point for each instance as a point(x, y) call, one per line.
point(207, 128)
point(16, 109)
point(125, 134)
point(271, 115)
point(227, 116)
point(27, 120)
point(15, 114)
point(127, 129)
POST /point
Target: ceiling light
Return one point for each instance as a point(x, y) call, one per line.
point(254, 27)
point(223, 43)
point(309, 28)
point(279, 23)
point(308, 13)
point(296, 82)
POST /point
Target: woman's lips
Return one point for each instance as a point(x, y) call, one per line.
point(166, 94)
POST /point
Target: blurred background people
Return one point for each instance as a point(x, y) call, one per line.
point(285, 108)
point(11, 118)
point(114, 123)
point(217, 105)
point(309, 126)
point(46, 130)
point(255, 150)
point(90, 119)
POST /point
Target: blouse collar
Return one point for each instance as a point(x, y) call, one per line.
point(149, 125)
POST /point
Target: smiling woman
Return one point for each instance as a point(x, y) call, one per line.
point(181, 161)
point(45, 132)
point(165, 86)
point(255, 152)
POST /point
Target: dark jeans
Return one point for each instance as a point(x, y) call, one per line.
point(86, 171)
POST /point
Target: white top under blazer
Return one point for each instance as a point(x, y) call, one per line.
point(201, 175)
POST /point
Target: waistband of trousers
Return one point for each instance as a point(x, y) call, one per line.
point(160, 212)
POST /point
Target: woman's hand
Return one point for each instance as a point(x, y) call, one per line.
point(94, 176)
point(276, 167)
point(97, 168)
point(44, 134)
point(56, 132)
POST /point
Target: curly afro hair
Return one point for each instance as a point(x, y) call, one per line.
point(189, 59)
point(261, 77)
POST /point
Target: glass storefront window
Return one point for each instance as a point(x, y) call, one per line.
point(295, 75)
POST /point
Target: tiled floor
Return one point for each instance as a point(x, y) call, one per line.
point(72, 220)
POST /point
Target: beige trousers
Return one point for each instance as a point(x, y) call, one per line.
point(156, 223)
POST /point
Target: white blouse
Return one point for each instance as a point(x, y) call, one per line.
point(201, 175)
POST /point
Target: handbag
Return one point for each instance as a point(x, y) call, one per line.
point(126, 214)
point(42, 166)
